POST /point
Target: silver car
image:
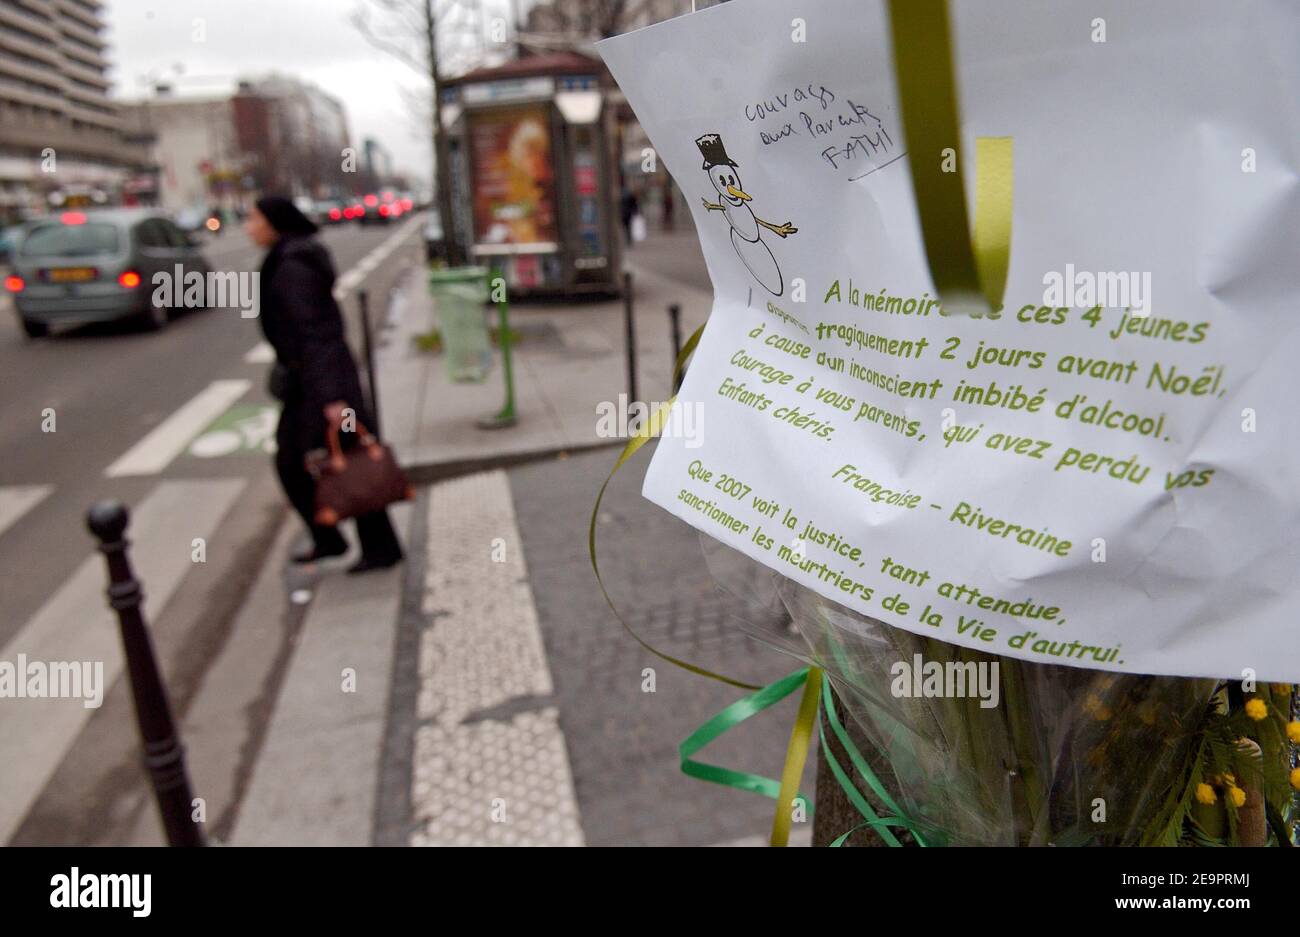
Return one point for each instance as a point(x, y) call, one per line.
point(98, 266)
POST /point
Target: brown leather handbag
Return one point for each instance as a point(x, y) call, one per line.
point(360, 481)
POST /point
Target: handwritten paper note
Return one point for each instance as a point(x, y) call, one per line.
point(1106, 472)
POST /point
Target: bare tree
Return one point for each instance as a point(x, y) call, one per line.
point(417, 32)
point(576, 24)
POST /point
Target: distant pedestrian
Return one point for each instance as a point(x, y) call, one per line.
point(315, 376)
point(629, 209)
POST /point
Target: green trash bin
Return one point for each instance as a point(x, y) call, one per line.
point(459, 294)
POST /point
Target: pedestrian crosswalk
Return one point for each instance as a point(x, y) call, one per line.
point(169, 438)
point(17, 500)
point(261, 353)
point(75, 624)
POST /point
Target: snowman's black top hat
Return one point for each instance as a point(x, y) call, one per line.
point(714, 153)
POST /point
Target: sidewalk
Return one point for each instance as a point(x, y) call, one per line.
point(570, 358)
point(484, 694)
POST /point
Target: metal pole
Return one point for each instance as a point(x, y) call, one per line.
point(363, 299)
point(164, 755)
point(507, 416)
point(630, 327)
point(675, 318)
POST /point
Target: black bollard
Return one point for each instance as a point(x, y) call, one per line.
point(164, 756)
point(631, 338)
point(363, 300)
point(675, 318)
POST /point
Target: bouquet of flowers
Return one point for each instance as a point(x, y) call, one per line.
point(981, 749)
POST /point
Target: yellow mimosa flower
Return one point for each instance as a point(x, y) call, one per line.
point(1257, 709)
point(1205, 793)
point(1236, 795)
point(1293, 731)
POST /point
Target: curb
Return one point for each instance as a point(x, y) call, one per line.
point(424, 473)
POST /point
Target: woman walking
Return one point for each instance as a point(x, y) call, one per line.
point(315, 376)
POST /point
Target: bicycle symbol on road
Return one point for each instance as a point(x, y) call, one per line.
point(245, 429)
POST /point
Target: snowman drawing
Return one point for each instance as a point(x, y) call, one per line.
point(746, 227)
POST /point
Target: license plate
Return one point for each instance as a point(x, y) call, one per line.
point(72, 274)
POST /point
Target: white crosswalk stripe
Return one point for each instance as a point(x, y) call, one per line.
point(169, 438)
point(76, 624)
point(17, 500)
point(261, 353)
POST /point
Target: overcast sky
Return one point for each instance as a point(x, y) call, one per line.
point(311, 39)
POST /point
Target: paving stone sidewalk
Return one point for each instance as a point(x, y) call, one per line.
point(532, 697)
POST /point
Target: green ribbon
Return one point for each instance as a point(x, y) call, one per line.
point(649, 431)
point(881, 825)
point(727, 720)
point(770, 695)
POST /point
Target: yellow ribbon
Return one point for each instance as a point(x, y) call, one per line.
point(649, 430)
point(969, 268)
point(796, 754)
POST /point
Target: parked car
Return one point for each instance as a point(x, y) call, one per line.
point(9, 242)
point(373, 210)
point(98, 266)
point(330, 211)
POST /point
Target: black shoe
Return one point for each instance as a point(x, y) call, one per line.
point(319, 552)
point(367, 563)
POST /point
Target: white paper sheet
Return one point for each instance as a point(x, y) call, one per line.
point(1167, 153)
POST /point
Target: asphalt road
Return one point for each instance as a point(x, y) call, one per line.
point(109, 386)
point(131, 410)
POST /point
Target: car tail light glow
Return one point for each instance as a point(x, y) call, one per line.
point(130, 279)
point(372, 200)
point(335, 214)
point(73, 217)
point(14, 284)
point(383, 211)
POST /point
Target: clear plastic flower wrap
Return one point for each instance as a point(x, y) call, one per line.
point(1065, 756)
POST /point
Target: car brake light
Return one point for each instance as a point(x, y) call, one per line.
point(73, 217)
point(372, 200)
point(383, 210)
point(130, 279)
point(335, 214)
point(14, 284)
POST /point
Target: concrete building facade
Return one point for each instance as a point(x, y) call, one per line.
point(59, 132)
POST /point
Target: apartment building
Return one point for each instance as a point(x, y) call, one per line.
point(59, 131)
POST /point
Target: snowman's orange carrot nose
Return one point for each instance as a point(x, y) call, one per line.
point(736, 193)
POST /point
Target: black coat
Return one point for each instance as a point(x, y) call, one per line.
point(302, 322)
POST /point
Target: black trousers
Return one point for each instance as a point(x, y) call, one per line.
point(375, 531)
